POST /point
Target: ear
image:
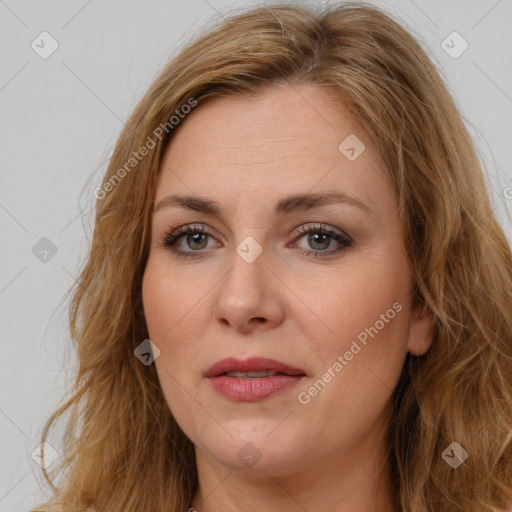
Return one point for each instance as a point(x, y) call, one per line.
point(421, 333)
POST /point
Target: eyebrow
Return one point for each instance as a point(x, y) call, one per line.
point(286, 205)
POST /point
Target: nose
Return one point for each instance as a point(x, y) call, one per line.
point(249, 296)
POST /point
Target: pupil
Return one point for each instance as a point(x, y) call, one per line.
point(313, 238)
point(195, 238)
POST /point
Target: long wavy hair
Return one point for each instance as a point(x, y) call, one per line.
point(122, 450)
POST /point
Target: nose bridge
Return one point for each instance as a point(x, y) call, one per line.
point(246, 292)
point(247, 277)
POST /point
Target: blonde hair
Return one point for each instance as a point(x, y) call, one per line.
point(123, 450)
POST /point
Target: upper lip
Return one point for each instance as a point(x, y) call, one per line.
point(253, 364)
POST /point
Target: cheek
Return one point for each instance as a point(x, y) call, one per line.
point(166, 299)
point(347, 303)
point(366, 313)
point(175, 317)
point(166, 304)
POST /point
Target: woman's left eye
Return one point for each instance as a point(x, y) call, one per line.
point(316, 235)
point(322, 236)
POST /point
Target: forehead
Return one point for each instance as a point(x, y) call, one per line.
point(286, 139)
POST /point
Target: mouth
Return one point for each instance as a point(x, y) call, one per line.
point(253, 375)
point(252, 368)
point(252, 380)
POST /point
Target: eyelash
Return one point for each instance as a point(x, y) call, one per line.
point(170, 239)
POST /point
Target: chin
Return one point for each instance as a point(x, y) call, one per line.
point(256, 450)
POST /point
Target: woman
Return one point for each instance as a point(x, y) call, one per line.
point(295, 196)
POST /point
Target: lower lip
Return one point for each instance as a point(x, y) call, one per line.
point(253, 389)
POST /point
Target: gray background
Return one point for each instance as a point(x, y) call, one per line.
point(60, 117)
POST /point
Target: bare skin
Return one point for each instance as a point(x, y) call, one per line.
point(327, 452)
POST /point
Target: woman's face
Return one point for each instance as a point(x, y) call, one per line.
point(333, 303)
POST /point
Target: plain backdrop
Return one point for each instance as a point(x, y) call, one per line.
point(60, 117)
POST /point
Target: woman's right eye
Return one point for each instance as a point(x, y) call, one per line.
point(195, 236)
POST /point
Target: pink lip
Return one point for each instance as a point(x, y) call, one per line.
point(252, 389)
point(253, 364)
